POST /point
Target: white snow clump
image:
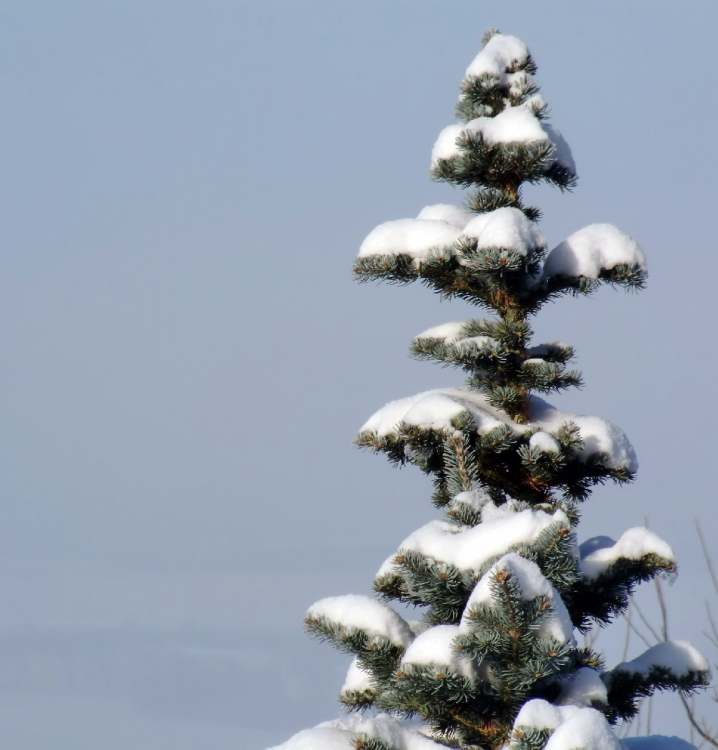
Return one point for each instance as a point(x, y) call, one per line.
point(435, 410)
point(469, 548)
point(506, 228)
point(435, 647)
point(355, 611)
point(591, 250)
point(679, 657)
point(600, 553)
point(532, 584)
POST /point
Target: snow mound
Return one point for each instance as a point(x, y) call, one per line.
point(591, 250)
point(656, 742)
point(341, 734)
point(513, 125)
point(572, 727)
point(600, 437)
point(475, 499)
point(433, 234)
point(454, 334)
point(435, 410)
point(493, 512)
point(544, 443)
point(457, 216)
point(431, 536)
point(354, 611)
point(387, 729)
point(471, 506)
point(506, 228)
point(446, 332)
point(469, 548)
point(422, 239)
point(586, 728)
point(357, 680)
point(600, 553)
point(532, 584)
point(435, 647)
point(501, 54)
point(679, 657)
point(319, 738)
point(583, 688)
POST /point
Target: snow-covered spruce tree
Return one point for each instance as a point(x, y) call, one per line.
point(501, 583)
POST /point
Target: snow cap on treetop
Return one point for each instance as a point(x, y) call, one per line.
point(501, 54)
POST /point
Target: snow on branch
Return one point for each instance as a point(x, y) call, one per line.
point(601, 438)
point(502, 54)
point(355, 731)
point(610, 570)
point(505, 228)
point(515, 125)
point(571, 727)
point(469, 549)
point(469, 507)
point(456, 216)
point(500, 75)
point(568, 727)
point(320, 738)
point(472, 152)
point(584, 688)
point(445, 232)
point(455, 343)
point(358, 689)
point(438, 411)
point(543, 442)
point(600, 554)
point(593, 252)
point(434, 410)
point(531, 584)
point(420, 239)
point(447, 333)
point(435, 648)
point(679, 658)
point(341, 617)
point(672, 665)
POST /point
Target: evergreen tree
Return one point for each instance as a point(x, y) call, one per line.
point(502, 585)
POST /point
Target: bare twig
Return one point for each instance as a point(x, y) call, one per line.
point(711, 622)
point(627, 639)
point(628, 728)
point(639, 634)
point(664, 609)
point(649, 715)
point(706, 556)
point(704, 732)
point(590, 638)
point(646, 622)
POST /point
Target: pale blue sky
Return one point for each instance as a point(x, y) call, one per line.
point(186, 358)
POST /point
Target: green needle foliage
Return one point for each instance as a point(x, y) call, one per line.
point(505, 604)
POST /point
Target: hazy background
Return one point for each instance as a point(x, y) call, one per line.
point(185, 358)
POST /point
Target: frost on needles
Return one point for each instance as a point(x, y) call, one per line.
point(501, 584)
